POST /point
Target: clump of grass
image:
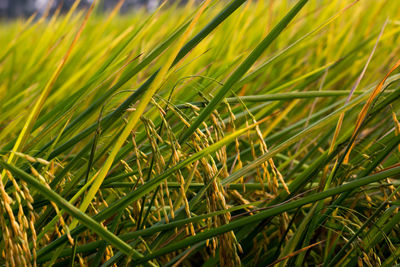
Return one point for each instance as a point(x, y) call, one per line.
point(212, 134)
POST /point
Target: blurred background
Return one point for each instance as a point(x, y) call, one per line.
point(23, 8)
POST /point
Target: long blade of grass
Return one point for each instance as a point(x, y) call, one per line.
point(134, 118)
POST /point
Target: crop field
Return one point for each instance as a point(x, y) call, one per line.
point(241, 133)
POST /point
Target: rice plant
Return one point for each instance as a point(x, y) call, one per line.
point(254, 133)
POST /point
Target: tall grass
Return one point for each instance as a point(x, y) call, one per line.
point(260, 133)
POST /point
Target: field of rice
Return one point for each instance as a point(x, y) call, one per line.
point(242, 133)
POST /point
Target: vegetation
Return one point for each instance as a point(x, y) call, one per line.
point(244, 133)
